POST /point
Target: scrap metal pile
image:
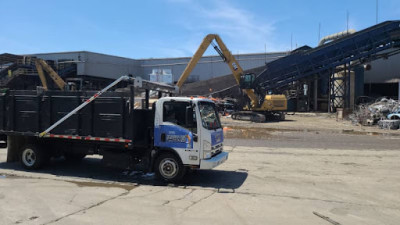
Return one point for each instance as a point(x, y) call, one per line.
point(382, 112)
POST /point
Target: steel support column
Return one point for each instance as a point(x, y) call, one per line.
point(316, 93)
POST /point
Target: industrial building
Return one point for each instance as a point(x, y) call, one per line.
point(111, 67)
point(380, 77)
point(380, 73)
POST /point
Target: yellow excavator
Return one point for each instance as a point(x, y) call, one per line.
point(42, 66)
point(261, 105)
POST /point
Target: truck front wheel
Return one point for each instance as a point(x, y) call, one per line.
point(32, 157)
point(169, 168)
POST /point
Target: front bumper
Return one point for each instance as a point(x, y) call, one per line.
point(206, 164)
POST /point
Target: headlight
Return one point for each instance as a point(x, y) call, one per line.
point(206, 150)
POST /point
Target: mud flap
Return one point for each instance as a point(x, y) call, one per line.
point(13, 147)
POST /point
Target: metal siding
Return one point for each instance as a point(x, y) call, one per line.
point(110, 66)
point(79, 57)
point(208, 66)
point(384, 71)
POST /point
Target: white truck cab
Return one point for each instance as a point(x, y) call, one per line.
point(189, 128)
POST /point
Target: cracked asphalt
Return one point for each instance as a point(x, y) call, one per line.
point(284, 177)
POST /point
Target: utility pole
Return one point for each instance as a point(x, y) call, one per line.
point(291, 41)
point(319, 32)
point(347, 22)
point(377, 11)
point(398, 97)
point(265, 48)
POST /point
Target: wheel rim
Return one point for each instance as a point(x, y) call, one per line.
point(168, 168)
point(29, 157)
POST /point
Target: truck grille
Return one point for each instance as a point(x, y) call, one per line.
point(215, 150)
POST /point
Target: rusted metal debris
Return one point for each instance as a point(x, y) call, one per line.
point(370, 114)
point(389, 124)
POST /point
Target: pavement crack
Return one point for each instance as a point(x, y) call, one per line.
point(87, 208)
point(180, 198)
point(72, 199)
point(326, 218)
point(313, 199)
point(185, 195)
point(198, 201)
point(148, 194)
point(238, 216)
point(293, 197)
point(166, 202)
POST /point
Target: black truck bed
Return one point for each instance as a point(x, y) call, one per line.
point(109, 116)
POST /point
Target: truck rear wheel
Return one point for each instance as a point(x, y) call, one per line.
point(169, 168)
point(33, 157)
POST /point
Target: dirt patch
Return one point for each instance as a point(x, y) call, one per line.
point(371, 133)
point(254, 133)
point(5, 176)
point(247, 133)
point(364, 133)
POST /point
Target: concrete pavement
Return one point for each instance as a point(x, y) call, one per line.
point(257, 185)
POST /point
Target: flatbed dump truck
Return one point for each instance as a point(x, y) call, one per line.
point(177, 133)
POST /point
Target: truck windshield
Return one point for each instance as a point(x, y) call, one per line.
point(209, 116)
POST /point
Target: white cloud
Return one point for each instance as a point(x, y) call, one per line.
point(241, 30)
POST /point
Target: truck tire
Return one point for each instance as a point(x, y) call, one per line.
point(74, 157)
point(4, 138)
point(169, 168)
point(33, 157)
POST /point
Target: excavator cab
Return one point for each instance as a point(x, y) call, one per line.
point(247, 80)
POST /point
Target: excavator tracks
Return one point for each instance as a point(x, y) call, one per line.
point(258, 117)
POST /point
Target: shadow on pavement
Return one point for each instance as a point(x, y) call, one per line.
point(219, 179)
point(94, 169)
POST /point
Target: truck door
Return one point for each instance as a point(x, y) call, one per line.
point(174, 132)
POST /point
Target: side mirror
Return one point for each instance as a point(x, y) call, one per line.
point(189, 116)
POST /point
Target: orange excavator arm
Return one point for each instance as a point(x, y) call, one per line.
point(42, 76)
point(42, 65)
point(226, 55)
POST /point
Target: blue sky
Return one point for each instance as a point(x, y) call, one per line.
point(175, 28)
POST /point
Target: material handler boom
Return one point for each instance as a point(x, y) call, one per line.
point(271, 104)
